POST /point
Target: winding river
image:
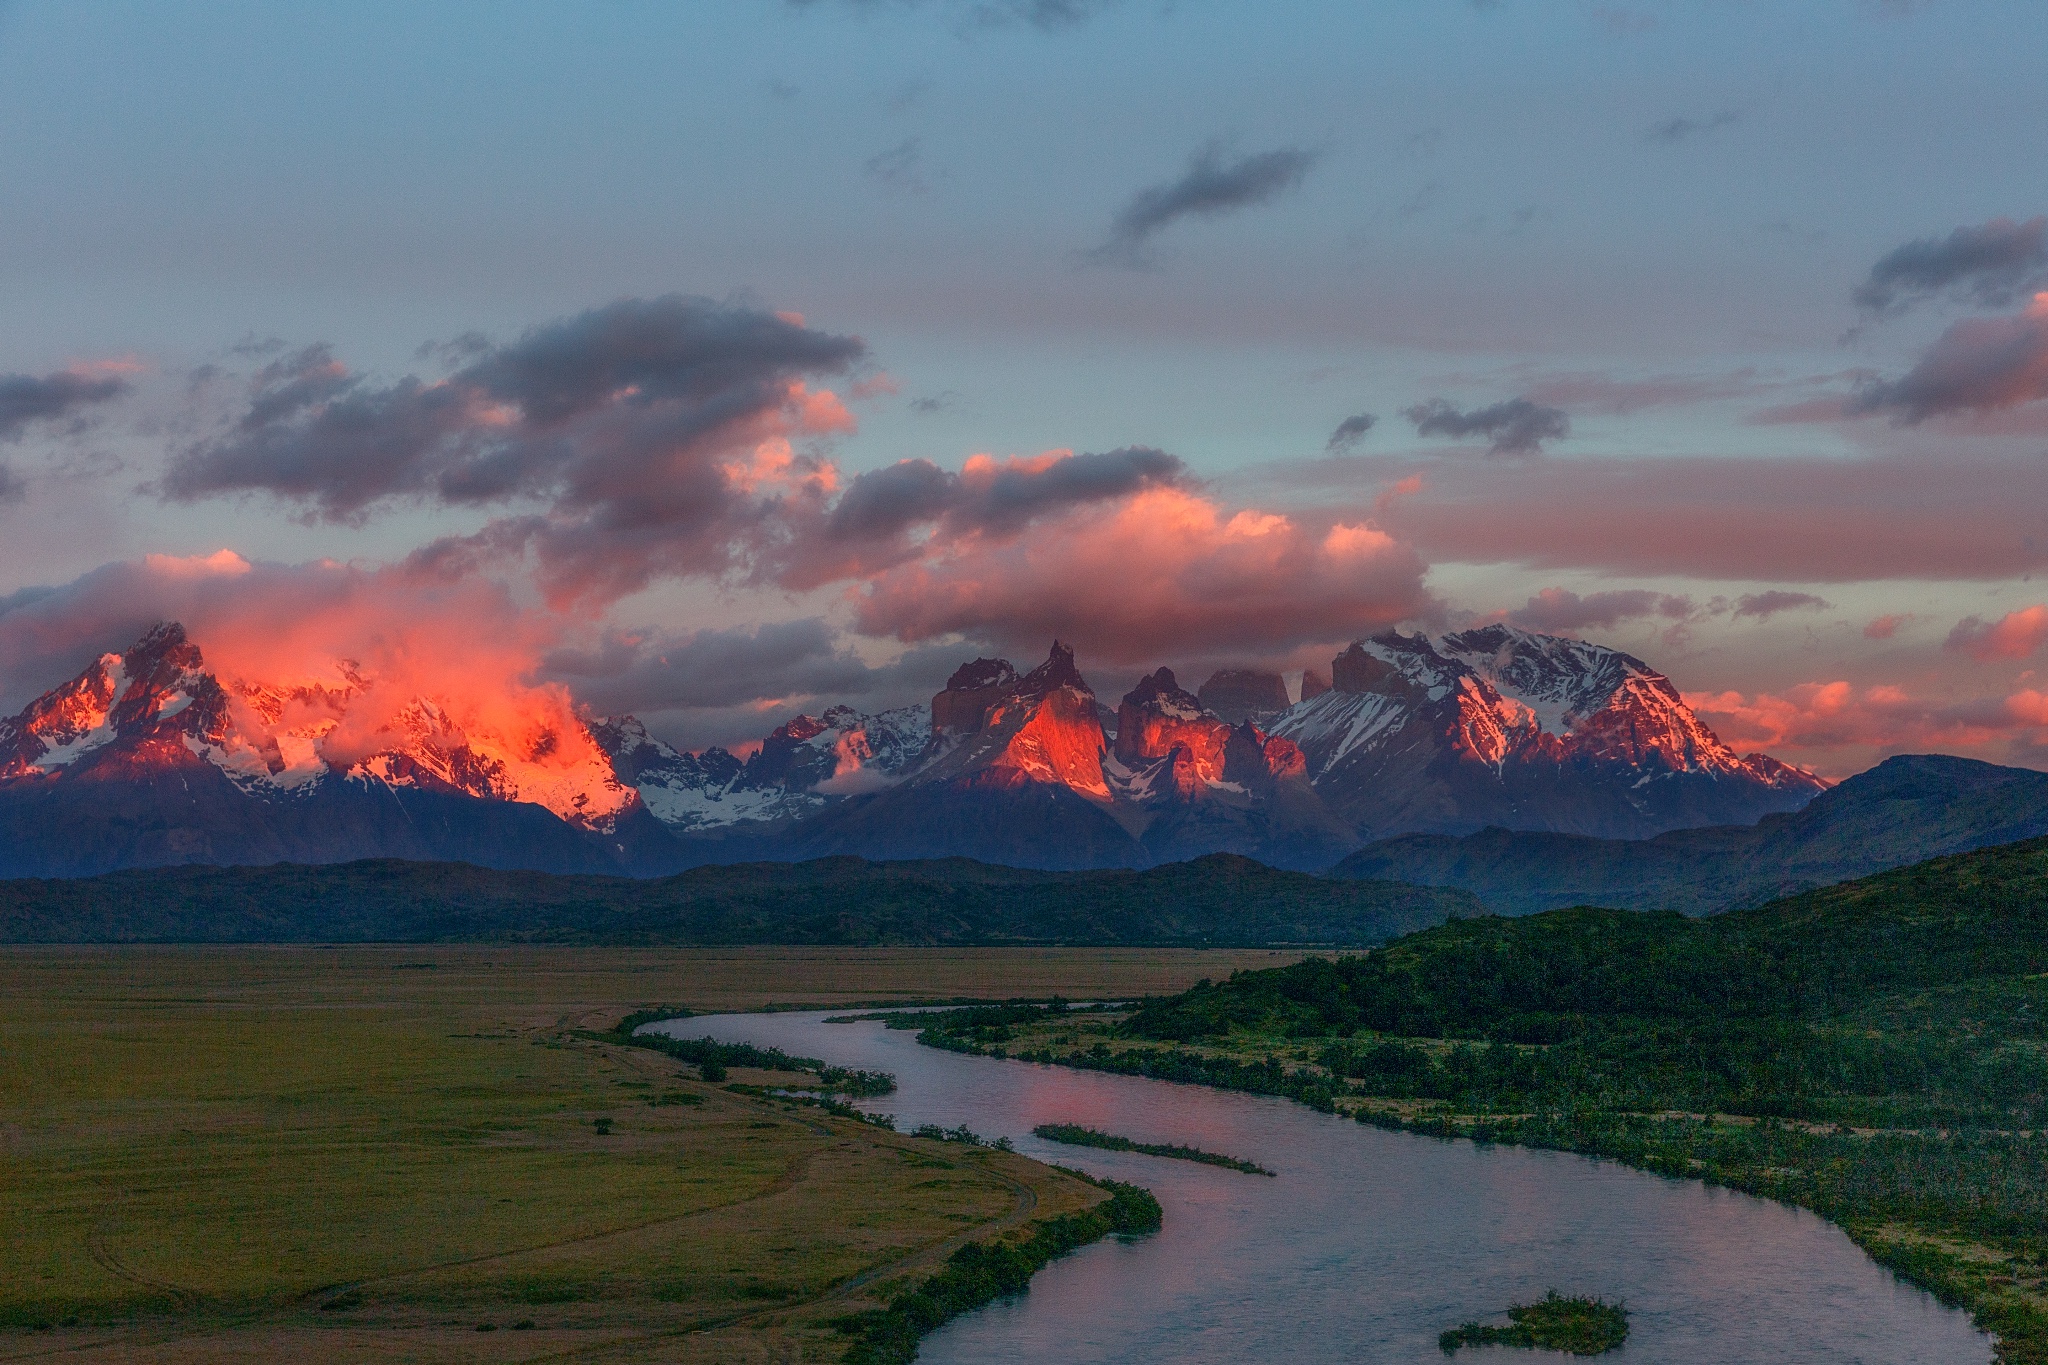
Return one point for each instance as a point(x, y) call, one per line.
point(1369, 1243)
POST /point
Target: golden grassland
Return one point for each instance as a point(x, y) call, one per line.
point(285, 1154)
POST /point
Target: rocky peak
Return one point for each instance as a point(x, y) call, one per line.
point(1238, 694)
point(1314, 682)
point(974, 687)
point(1056, 672)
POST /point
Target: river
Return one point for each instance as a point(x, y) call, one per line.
point(1370, 1243)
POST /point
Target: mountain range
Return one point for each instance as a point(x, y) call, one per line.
point(1905, 810)
point(149, 757)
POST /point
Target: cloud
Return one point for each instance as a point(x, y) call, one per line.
point(1978, 364)
point(1960, 514)
point(1676, 130)
point(1516, 427)
point(1764, 605)
point(1210, 187)
point(373, 640)
point(1047, 16)
point(1989, 264)
point(2014, 635)
point(914, 508)
point(1555, 609)
point(27, 399)
point(1826, 719)
point(1604, 393)
point(1350, 432)
point(653, 436)
point(12, 489)
point(1162, 573)
point(1885, 627)
point(900, 167)
point(711, 668)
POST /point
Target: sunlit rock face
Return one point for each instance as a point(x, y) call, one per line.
point(148, 757)
point(1498, 726)
point(151, 756)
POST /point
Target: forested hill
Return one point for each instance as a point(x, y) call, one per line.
point(1542, 977)
point(1221, 900)
point(1904, 810)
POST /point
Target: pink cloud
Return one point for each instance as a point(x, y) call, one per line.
point(1791, 519)
point(1828, 723)
point(1885, 627)
point(1164, 571)
point(2014, 635)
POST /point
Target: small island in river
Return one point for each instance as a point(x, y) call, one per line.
point(1578, 1326)
point(1074, 1135)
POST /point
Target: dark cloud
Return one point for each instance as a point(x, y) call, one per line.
point(27, 399)
point(938, 402)
point(1989, 265)
point(1555, 609)
point(1210, 186)
point(637, 427)
point(740, 671)
point(1763, 605)
point(1680, 129)
point(1047, 16)
point(1516, 427)
point(991, 497)
point(900, 167)
point(1977, 365)
point(1350, 432)
point(710, 668)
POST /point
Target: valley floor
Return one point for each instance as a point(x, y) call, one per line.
point(432, 1154)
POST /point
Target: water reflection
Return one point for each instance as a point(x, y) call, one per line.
point(1370, 1243)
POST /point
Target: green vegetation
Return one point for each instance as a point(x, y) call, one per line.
point(298, 1155)
point(1221, 900)
point(1075, 1135)
point(712, 1058)
point(1577, 1326)
point(981, 1272)
point(1876, 1052)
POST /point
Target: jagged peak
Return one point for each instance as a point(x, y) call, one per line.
point(1161, 692)
point(980, 673)
point(1056, 672)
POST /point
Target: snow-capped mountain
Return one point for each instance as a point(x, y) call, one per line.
point(1498, 726)
point(150, 756)
point(799, 769)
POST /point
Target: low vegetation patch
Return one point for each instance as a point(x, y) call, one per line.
point(981, 1272)
point(1074, 1135)
point(1577, 1326)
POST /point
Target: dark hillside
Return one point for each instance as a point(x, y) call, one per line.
point(1221, 899)
point(1902, 811)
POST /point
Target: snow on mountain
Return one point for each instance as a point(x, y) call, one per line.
point(157, 706)
point(1502, 726)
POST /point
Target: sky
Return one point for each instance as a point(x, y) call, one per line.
point(712, 362)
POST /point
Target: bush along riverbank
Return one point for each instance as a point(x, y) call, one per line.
point(1074, 1135)
point(713, 1058)
point(982, 1272)
point(1876, 1052)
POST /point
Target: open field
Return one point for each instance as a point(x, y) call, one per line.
point(307, 1154)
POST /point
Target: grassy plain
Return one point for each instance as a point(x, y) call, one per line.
point(395, 1153)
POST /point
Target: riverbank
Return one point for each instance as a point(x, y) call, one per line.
point(433, 1154)
point(1882, 1064)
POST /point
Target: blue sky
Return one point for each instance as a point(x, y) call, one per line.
point(1651, 218)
